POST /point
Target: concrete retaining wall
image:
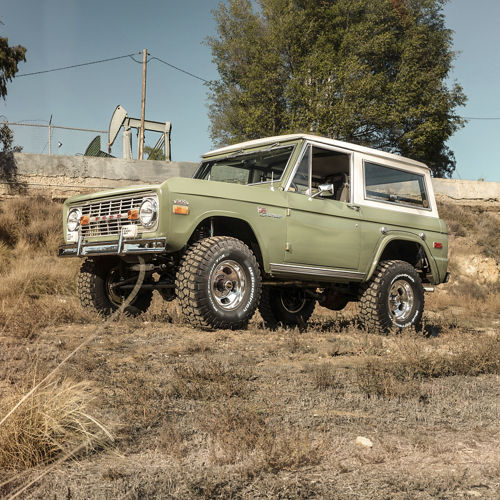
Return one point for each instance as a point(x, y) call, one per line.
point(63, 176)
point(467, 190)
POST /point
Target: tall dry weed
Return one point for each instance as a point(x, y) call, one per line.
point(5, 257)
point(53, 421)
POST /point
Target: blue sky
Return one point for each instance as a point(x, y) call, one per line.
point(65, 32)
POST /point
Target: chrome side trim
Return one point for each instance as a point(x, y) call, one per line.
point(317, 271)
point(115, 247)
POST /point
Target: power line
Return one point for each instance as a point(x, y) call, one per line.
point(131, 56)
point(480, 118)
point(180, 69)
point(78, 65)
point(38, 125)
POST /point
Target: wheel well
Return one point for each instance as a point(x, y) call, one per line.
point(228, 226)
point(409, 251)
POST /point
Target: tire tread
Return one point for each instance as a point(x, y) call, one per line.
point(190, 281)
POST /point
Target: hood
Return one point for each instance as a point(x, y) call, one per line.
point(139, 188)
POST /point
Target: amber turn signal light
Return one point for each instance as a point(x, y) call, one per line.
point(84, 220)
point(180, 210)
point(133, 214)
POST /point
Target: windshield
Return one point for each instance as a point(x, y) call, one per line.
point(247, 168)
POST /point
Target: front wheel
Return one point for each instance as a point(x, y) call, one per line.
point(97, 287)
point(218, 283)
point(394, 297)
point(285, 306)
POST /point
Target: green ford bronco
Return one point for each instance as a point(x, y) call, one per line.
point(276, 224)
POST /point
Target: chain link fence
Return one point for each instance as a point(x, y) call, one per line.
point(53, 139)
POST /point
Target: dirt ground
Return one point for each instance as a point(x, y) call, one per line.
point(175, 412)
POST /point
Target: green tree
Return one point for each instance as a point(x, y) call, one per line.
point(10, 57)
point(153, 154)
point(370, 72)
point(7, 141)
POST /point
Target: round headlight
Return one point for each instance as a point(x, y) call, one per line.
point(148, 212)
point(73, 220)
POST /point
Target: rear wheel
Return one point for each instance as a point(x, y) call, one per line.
point(285, 306)
point(394, 297)
point(97, 287)
point(218, 283)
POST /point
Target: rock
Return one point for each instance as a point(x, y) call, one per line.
point(474, 493)
point(364, 442)
point(485, 270)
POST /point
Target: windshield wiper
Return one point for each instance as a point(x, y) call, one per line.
point(244, 151)
point(237, 153)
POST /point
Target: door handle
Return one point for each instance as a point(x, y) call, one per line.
point(354, 207)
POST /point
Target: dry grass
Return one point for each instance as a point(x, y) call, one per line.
point(326, 376)
point(240, 433)
point(27, 316)
point(244, 414)
point(36, 288)
point(35, 221)
point(400, 373)
point(54, 420)
point(474, 222)
point(208, 379)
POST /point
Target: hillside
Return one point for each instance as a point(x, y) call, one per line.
point(148, 407)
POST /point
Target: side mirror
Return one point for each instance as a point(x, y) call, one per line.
point(324, 188)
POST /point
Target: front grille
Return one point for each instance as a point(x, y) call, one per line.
point(107, 217)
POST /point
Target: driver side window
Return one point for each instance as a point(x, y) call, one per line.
point(323, 166)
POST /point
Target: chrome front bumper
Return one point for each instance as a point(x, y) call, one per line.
point(122, 246)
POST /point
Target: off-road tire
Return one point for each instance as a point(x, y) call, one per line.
point(274, 311)
point(197, 293)
point(92, 290)
point(378, 312)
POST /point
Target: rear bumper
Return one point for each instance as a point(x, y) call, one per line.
point(122, 246)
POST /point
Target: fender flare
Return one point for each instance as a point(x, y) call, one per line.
point(231, 215)
point(402, 236)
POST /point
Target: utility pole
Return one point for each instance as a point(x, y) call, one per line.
point(143, 104)
point(50, 135)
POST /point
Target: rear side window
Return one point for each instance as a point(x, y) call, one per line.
point(396, 186)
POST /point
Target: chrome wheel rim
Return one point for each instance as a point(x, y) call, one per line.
point(293, 301)
point(112, 278)
point(401, 300)
point(227, 285)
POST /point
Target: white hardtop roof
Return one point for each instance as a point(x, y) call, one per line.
point(315, 138)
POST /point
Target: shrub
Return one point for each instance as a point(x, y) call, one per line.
point(52, 422)
point(325, 376)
